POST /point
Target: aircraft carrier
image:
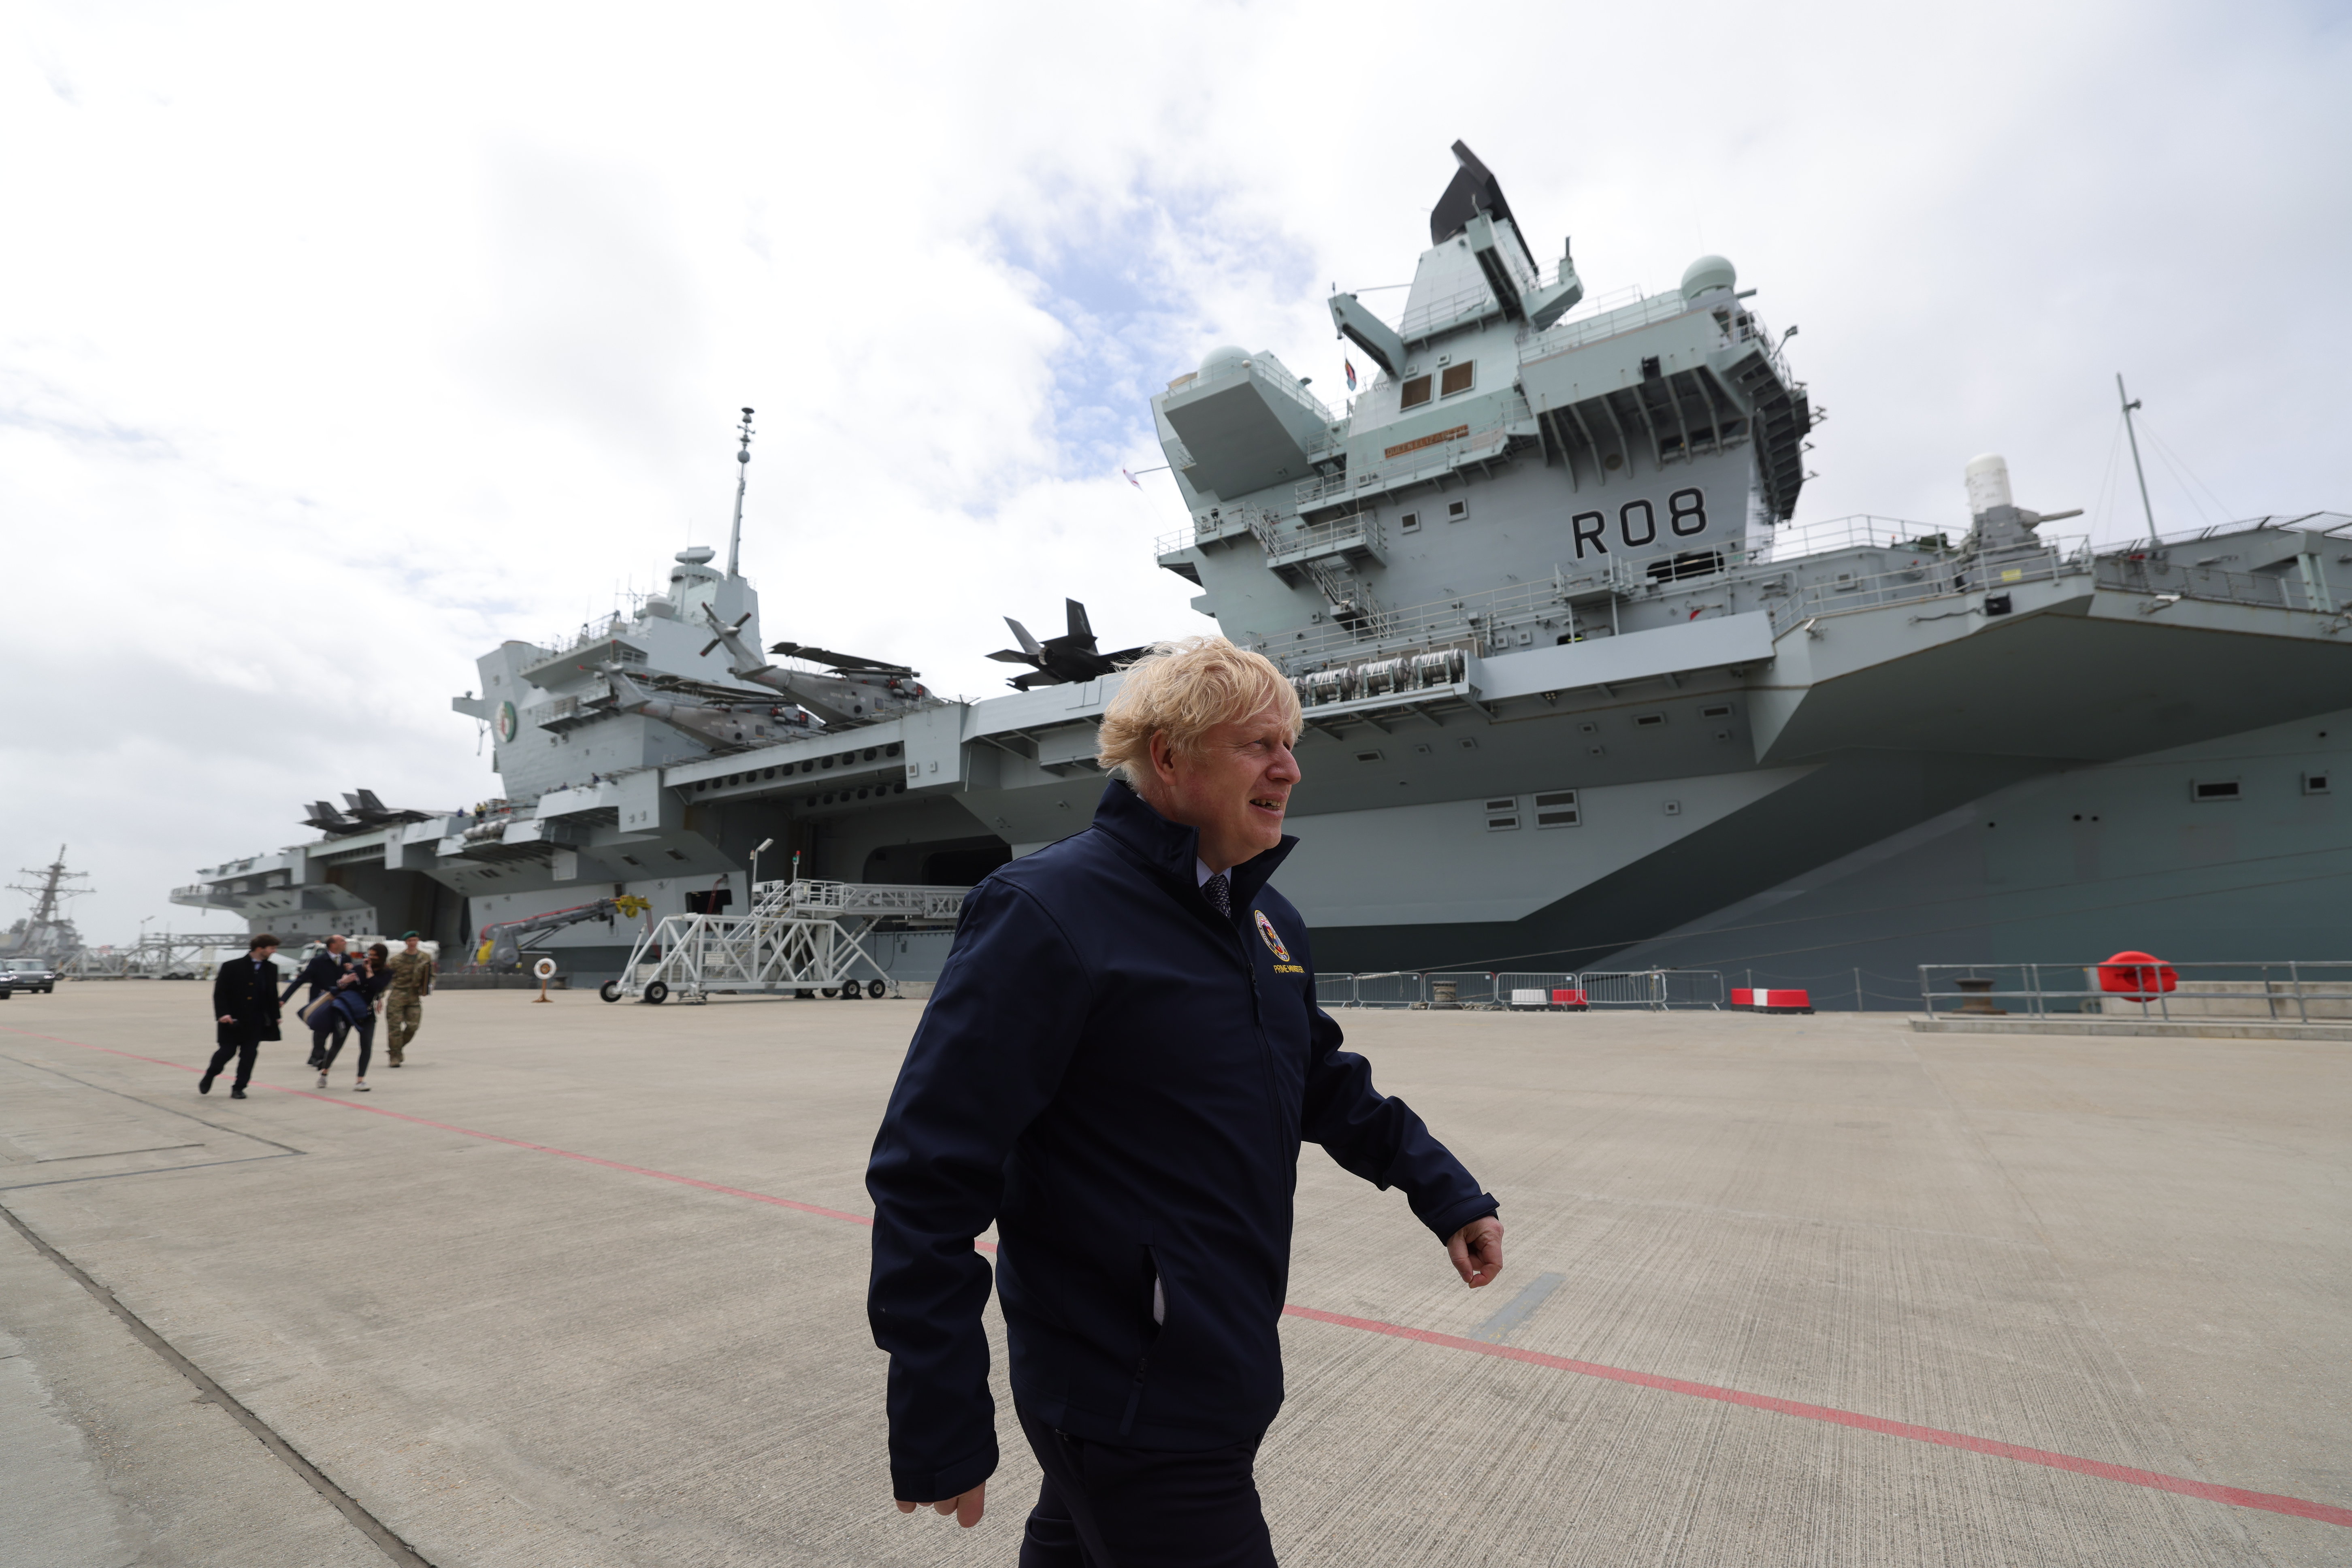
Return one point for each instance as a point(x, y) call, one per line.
point(1579, 691)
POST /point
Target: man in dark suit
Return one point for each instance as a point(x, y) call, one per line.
point(246, 1003)
point(323, 974)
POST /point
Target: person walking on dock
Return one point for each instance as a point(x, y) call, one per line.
point(411, 983)
point(246, 1004)
point(356, 1005)
point(321, 974)
point(1119, 1063)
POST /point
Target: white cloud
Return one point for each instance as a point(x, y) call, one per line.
point(339, 346)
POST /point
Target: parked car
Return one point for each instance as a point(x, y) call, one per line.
point(28, 975)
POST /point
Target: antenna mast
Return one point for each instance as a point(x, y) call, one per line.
point(45, 931)
point(743, 475)
point(2129, 404)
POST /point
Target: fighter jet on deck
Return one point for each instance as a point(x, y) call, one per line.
point(856, 690)
point(1064, 660)
point(363, 811)
point(370, 812)
point(329, 821)
point(713, 723)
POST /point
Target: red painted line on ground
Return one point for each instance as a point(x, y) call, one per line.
point(2269, 1501)
point(2236, 1497)
point(488, 1137)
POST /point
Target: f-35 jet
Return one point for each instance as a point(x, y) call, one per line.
point(363, 811)
point(1063, 660)
point(854, 690)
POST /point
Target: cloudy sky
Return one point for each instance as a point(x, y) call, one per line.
point(337, 346)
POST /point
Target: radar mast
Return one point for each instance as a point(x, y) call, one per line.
point(742, 477)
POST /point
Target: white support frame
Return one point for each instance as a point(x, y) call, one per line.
point(799, 936)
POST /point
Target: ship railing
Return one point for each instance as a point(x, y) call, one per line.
point(1267, 365)
point(2266, 992)
point(2333, 524)
point(1656, 990)
point(1575, 332)
point(2143, 574)
point(1942, 578)
point(1864, 530)
point(1444, 311)
point(1409, 468)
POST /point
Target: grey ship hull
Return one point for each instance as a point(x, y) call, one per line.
point(1888, 789)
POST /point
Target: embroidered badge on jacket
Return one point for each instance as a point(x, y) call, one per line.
point(1273, 938)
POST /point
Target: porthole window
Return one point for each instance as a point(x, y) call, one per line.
point(1409, 524)
point(2315, 783)
point(1502, 815)
point(1416, 393)
point(2213, 789)
point(1455, 511)
point(1456, 378)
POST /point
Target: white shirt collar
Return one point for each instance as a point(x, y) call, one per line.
point(1201, 872)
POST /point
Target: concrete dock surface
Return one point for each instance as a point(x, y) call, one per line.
point(584, 1285)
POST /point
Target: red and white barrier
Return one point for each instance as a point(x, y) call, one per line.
point(1760, 1000)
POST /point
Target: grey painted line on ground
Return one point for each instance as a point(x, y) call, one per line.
point(158, 1170)
point(374, 1529)
point(141, 1100)
point(118, 1154)
point(1518, 1308)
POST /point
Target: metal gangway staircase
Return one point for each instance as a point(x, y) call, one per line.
point(799, 939)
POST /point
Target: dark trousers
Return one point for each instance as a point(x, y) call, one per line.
point(320, 1031)
point(366, 1027)
point(244, 1054)
point(1103, 1507)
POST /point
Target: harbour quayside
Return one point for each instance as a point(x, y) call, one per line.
point(1578, 693)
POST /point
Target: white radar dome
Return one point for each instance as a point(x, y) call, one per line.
point(1708, 272)
point(695, 555)
point(1226, 358)
point(1987, 478)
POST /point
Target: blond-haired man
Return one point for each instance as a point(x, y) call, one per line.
point(1120, 1061)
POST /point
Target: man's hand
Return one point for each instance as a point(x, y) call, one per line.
point(226, 1018)
point(1478, 1252)
point(967, 1507)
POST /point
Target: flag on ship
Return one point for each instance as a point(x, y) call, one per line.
point(1350, 365)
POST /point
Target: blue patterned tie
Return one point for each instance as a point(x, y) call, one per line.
point(1219, 890)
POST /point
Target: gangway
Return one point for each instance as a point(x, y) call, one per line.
point(801, 939)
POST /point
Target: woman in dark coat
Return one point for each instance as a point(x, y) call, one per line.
point(245, 1003)
point(354, 1006)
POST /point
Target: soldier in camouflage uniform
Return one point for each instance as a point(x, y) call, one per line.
point(404, 1001)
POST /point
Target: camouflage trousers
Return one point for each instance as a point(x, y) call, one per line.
point(403, 1011)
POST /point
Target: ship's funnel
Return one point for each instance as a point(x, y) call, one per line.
point(1987, 479)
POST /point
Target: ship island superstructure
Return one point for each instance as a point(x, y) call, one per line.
point(1576, 687)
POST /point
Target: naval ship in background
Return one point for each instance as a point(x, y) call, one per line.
point(1577, 691)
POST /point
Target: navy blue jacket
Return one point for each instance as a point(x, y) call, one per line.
point(321, 974)
point(1119, 1078)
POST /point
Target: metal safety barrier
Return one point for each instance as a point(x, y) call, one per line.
point(2282, 990)
point(1656, 989)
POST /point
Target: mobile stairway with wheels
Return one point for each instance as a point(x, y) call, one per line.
point(801, 939)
